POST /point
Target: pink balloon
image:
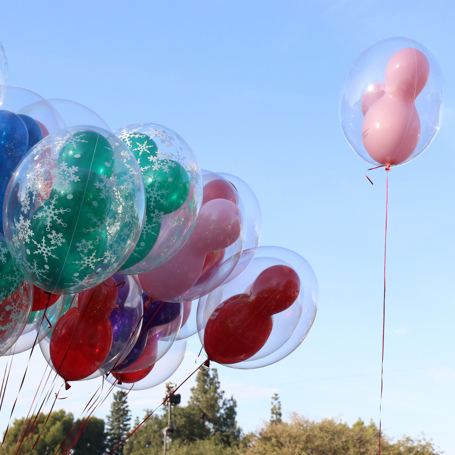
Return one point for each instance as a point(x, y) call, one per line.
point(371, 95)
point(391, 128)
point(218, 226)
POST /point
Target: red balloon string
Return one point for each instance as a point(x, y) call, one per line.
point(206, 363)
point(383, 308)
point(6, 374)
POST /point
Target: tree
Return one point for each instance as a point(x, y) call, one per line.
point(208, 415)
point(276, 415)
point(118, 422)
point(92, 438)
point(304, 436)
point(46, 433)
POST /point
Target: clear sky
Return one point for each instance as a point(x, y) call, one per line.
point(254, 86)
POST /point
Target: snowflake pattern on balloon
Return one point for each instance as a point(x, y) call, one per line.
point(72, 226)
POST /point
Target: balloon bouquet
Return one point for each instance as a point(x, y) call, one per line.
point(115, 248)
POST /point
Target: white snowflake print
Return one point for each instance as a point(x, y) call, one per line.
point(84, 246)
point(165, 138)
point(23, 231)
point(88, 261)
point(107, 186)
point(155, 195)
point(71, 138)
point(44, 249)
point(160, 161)
point(126, 134)
point(3, 252)
point(64, 176)
point(50, 213)
point(56, 238)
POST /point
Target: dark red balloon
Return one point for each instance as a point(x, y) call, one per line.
point(43, 299)
point(130, 378)
point(220, 189)
point(82, 337)
point(241, 325)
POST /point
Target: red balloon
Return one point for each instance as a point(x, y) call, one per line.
point(82, 338)
point(100, 300)
point(43, 299)
point(136, 376)
point(220, 189)
point(241, 325)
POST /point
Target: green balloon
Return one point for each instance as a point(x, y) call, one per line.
point(166, 185)
point(88, 150)
point(10, 276)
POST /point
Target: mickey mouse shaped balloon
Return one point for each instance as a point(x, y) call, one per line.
point(391, 102)
point(263, 314)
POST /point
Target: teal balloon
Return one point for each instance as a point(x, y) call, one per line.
point(166, 185)
point(88, 150)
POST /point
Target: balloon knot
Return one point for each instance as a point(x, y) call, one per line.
point(67, 386)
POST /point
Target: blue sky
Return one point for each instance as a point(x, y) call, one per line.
point(254, 88)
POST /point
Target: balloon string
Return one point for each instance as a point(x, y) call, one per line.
point(205, 363)
point(383, 309)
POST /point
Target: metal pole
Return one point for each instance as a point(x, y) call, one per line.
point(168, 426)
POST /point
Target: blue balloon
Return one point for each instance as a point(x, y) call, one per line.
point(35, 134)
point(158, 313)
point(13, 146)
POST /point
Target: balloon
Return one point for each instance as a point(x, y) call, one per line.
point(74, 209)
point(82, 338)
point(3, 66)
point(391, 128)
point(14, 313)
point(42, 299)
point(241, 325)
point(189, 323)
point(35, 134)
point(245, 323)
point(217, 227)
point(126, 320)
point(160, 326)
point(40, 323)
point(391, 102)
point(154, 374)
point(172, 183)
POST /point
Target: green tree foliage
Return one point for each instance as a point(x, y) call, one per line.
point(47, 436)
point(329, 436)
point(118, 422)
point(275, 412)
point(208, 415)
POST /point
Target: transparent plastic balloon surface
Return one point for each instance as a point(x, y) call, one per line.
point(365, 86)
point(288, 327)
point(14, 313)
point(160, 327)
point(126, 320)
point(155, 374)
point(39, 325)
point(23, 101)
point(3, 66)
point(173, 191)
point(189, 320)
point(74, 209)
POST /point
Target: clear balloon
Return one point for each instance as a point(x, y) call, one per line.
point(126, 321)
point(16, 297)
point(160, 326)
point(257, 313)
point(76, 114)
point(74, 209)
point(153, 375)
point(391, 102)
point(3, 66)
point(39, 325)
point(210, 253)
point(189, 320)
point(172, 182)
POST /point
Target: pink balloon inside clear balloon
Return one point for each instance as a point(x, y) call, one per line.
point(371, 95)
point(391, 128)
point(218, 226)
